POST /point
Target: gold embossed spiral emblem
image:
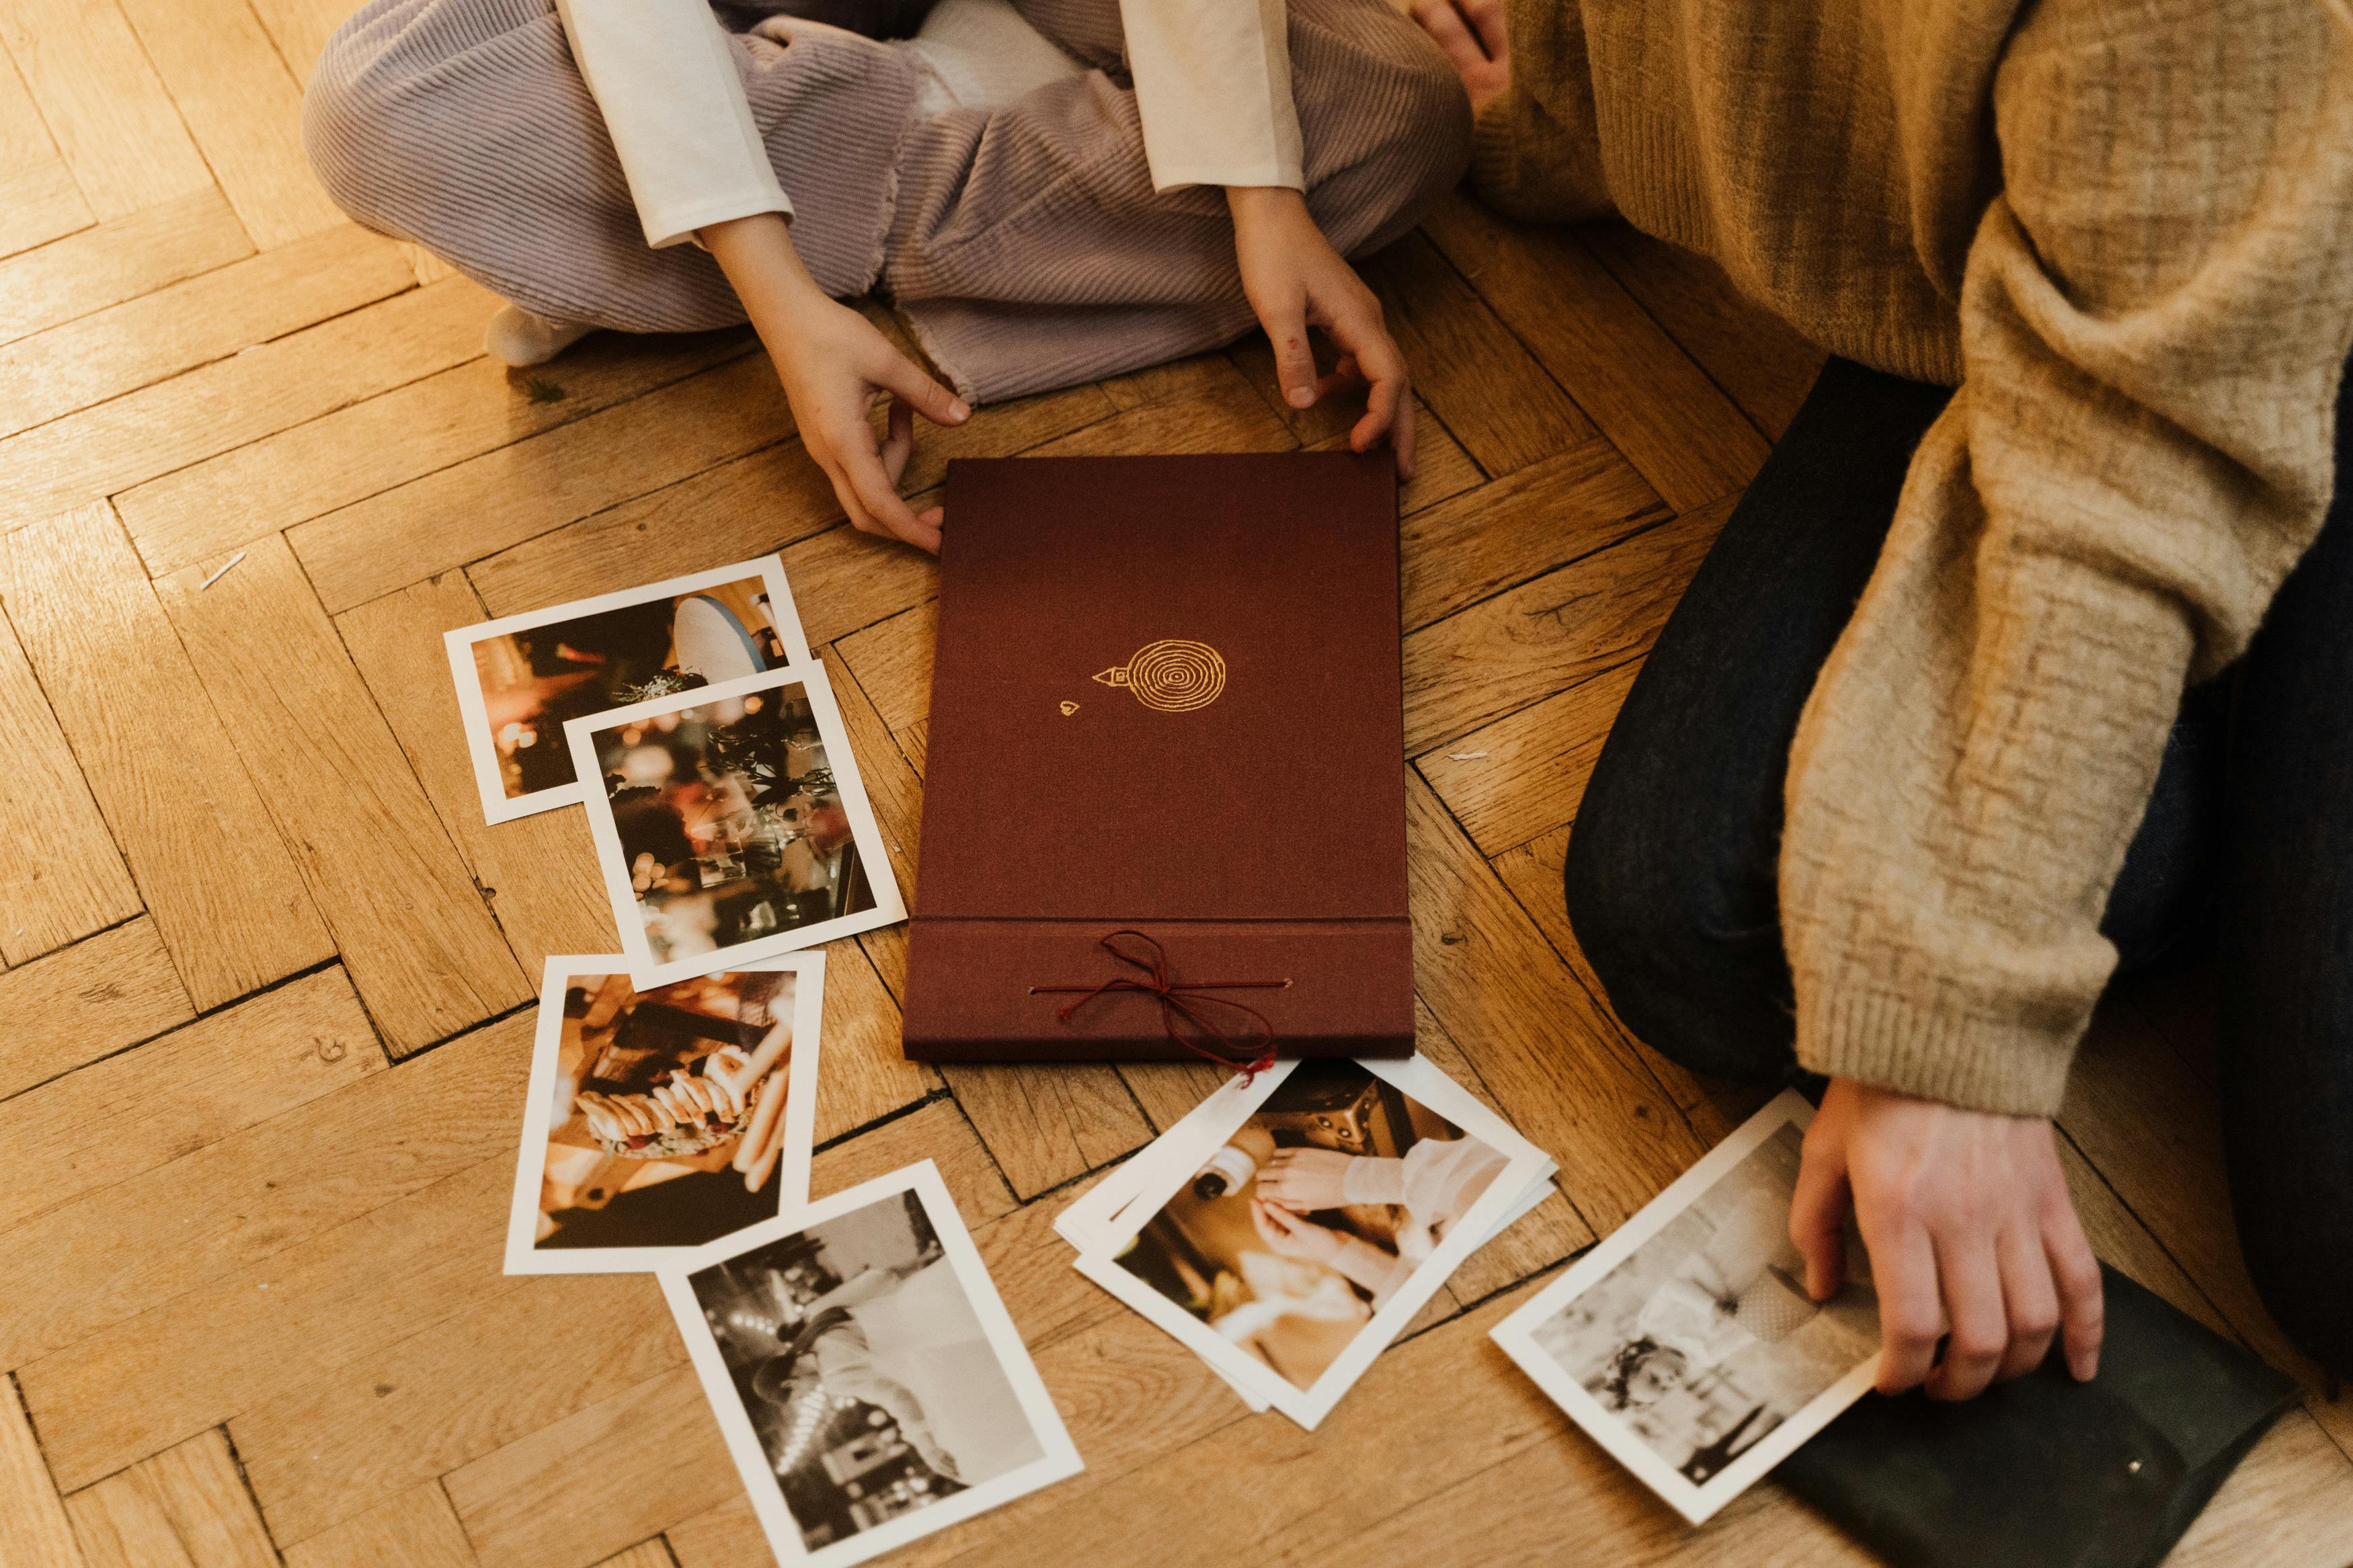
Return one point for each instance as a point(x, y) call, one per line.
point(1172, 675)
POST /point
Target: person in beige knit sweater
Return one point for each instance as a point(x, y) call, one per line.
point(1911, 760)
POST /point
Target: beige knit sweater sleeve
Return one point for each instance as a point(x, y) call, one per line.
point(2154, 319)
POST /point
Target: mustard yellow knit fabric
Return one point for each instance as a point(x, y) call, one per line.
point(2123, 229)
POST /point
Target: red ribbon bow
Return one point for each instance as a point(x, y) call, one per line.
point(1248, 1052)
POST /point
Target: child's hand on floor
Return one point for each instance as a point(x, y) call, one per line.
point(1296, 280)
point(835, 366)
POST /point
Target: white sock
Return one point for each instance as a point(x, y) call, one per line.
point(518, 338)
point(982, 54)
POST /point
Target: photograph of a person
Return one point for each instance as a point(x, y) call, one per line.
point(1301, 1232)
point(663, 1119)
point(521, 677)
point(1687, 1343)
point(865, 1374)
point(729, 825)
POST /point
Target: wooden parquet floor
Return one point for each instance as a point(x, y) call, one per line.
point(265, 973)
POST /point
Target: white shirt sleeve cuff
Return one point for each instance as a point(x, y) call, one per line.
point(668, 224)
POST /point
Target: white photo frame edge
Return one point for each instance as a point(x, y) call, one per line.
point(1059, 1461)
point(1419, 1079)
point(889, 909)
point(1515, 1335)
point(521, 1255)
point(474, 720)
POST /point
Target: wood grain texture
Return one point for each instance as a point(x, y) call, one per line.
point(115, 261)
point(115, 125)
point(59, 881)
point(221, 886)
point(38, 199)
point(184, 1508)
point(390, 437)
point(414, 1529)
point(243, 109)
point(1653, 403)
point(207, 317)
point(34, 1528)
point(1524, 774)
point(418, 941)
point(224, 404)
point(85, 1002)
point(1551, 511)
point(538, 874)
point(261, 1194)
point(142, 1108)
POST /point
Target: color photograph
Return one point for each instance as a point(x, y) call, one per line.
point(660, 1120)
point(1686, 1343)
point(521, 677)
point(865, 1374)
point(729, 825)
point(1299, 1232)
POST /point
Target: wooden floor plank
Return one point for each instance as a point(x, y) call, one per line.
point(538, 874)
point(117, 260)
point(135, 1111)
point(87, 1001)
point(142, 1243)
point(184, 1508)
point(114, 123)
point(242, 106)
point(1655, 405)
point(1491, 538)
point(368, 1433)
point(310, 468)
point(1499, 402)
point(157, 429)
point(1524, 774)
point(484, 504)
point(38, 199)
point(1756, 358)
point(1520, 647)
point(416, 1529)
point(412, 928)
point(59, 881)
point(207, 317)
point(222, 886)
point(34, 1528)
point(204, 1357)
point(1442, 470)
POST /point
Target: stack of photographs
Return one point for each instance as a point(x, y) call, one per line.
point(1288, 1227)
point(869, 1380)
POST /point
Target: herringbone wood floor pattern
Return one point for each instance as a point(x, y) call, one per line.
point(264, 972)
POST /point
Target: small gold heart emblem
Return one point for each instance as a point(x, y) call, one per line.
point(1069, 709)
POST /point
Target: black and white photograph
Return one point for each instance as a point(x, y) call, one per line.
point(865, 1373)
point(521, 677)
point(1687, 1343)
point(1290, 1239)
point(729, 825)
point(663, 1119)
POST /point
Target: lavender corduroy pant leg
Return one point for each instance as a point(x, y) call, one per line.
point(1026, 244)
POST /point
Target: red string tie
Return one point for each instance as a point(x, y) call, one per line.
point(1191, 1017)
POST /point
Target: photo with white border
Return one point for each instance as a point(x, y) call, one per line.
point(1685, 1343)
point(1293, 1296)
point(729, 825)
point(866, 1376)
point(658, 1121)
point(520, 678)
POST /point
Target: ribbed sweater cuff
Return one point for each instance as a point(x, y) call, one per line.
point(1934, 1052)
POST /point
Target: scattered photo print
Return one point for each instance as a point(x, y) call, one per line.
point(729, 825)
point(520, 679)
point(662, 1119)
point(865, 1374)
point(1687, 1344)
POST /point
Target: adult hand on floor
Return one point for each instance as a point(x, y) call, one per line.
point(1969, 1222)
point(836, 366)
point(1471, 34)
point(1295, 280)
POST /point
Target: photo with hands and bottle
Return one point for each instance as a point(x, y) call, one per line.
point(1904, 1222)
